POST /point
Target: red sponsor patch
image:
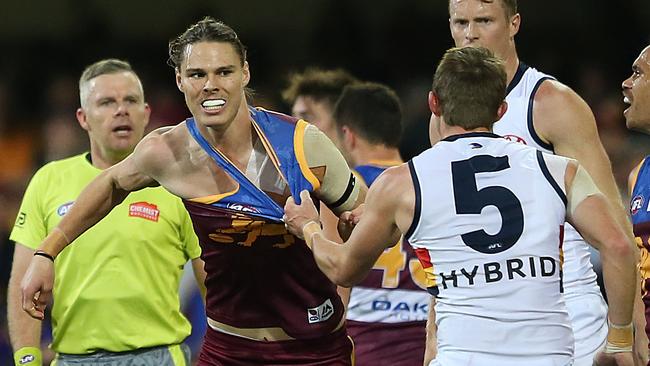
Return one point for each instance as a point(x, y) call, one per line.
point(145, 210)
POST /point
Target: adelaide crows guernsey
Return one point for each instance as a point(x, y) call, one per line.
point(517, 125)
point(488, 228)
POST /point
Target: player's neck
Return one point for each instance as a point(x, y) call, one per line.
point(235, 140)
point(511, 62)
point(447, 131)
point(104, 159)
point(375, 154)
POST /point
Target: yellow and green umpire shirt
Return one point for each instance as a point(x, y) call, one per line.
point(116, 286)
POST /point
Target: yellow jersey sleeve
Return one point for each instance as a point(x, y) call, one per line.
point(31, 227)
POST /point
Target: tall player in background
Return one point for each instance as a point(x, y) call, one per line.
point(387, 311)
point(117, 288)
point(551, 117)
point(636, 92)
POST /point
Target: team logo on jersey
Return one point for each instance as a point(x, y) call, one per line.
point(636, 204)
point(63, 209)
point(515, 138)
point(320, 313)
point(242, 208)
point(145, 210)
point(475, 145)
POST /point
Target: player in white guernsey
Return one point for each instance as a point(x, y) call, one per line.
point(549, 116)
point(486, 217)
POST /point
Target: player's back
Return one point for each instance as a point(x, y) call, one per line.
point(487, 229)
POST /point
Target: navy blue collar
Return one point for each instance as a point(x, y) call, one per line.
point(470, 134)
point(521, 69)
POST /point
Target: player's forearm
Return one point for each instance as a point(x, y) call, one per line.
point(431, 348)
point(608, 187)
point(329, 257)
point(93, 204)
point(640, 336)
point(24, 331)
point(620, 276)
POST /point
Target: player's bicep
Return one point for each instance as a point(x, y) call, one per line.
point(564, 119)
point(376, 229)
point(338, 188)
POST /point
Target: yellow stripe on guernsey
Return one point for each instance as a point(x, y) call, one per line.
point(299, 148)
point(385, 163)
point(431, 277)
point(353, 359)
point(636, 171)
point(215, 197)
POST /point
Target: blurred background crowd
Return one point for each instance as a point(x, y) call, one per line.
point(587, 44)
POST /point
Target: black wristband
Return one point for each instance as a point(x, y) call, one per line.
point(43, 254)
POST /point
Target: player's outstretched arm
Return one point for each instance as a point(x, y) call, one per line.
point(94, 203)
point(386, 210)
point(590, 212)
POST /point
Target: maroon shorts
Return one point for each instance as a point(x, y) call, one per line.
point(220, 349)
point(382, 344)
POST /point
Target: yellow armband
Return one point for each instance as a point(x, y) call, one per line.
point(28, 356)
point(620, 338)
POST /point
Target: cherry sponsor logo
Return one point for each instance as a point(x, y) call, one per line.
point(144, 210)
point(515, 138)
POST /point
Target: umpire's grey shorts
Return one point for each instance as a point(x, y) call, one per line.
point(175, 355)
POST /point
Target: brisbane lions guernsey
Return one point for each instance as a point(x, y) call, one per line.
point(640, 212)
point(387, 312)
point(258, 274)
point(487, 228)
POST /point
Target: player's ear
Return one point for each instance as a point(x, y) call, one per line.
point(349, 138)
point(247, 73)
point(82, 119)
point(515, 22)
point(179, 85)
point(503, 108)
point(434, 104)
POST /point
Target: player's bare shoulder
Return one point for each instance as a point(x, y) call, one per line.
point(393, 192)
point(558, 112)
point(159, 150)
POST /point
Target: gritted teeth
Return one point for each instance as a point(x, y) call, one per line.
point(213, 103)
point(627, 100)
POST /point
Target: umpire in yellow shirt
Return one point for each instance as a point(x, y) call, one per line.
point(116, 291)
